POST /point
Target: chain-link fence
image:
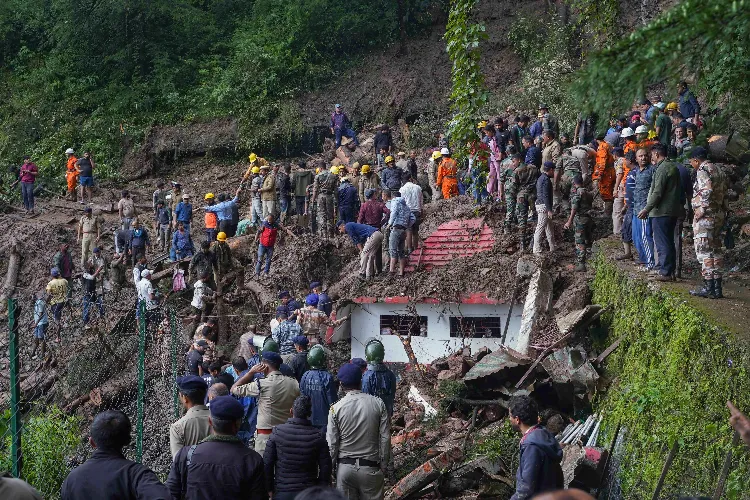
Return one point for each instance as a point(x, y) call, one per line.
point(64, 364)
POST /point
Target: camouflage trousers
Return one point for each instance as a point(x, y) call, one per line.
point(510, 209)
point(708, 251)
point(522, 216)
point(566, 185)
point(582, 226)
point(325, 214)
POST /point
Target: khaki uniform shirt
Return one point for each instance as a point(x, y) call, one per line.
point(89, 224)
point(190, 429)
point(276, 394)
point(358, 427)
point(127, 205)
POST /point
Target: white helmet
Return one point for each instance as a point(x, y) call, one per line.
point(627, 132)
point(445, 151)
point(69, 151)
point(642, 129)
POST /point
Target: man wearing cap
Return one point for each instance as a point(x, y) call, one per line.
point(71, 174)
point(57, 294)
point(324, 185)
point(223, 211)
point(220, 466)
point(310, 318)
point(296, 455)
point(368, 240)
point(298, 361)
point(373, 212)
point(348, 199)
point(544, 209)
point(391, 176)
point(175, 195)
point(193, 426)
point(202, 263)
point(285, 333)
point(194, 358)
point(182, 244)
point(291, 304)
point(319, 386)
point(663, 124)
point(183, 212)
point(275, 392)
point(709, 207)
point(88, 234)
point(225, 265)
point(210, 219)
point(325, 304)
point(359, 438)
point(341, 126)
point(447, 176)
point(126, 209)
point(147, 297)
point(367, 180)
point(159, 195)
point(139, 242)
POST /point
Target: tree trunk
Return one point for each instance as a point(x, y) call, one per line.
point(11, 277)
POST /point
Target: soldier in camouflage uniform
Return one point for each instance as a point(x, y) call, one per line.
point(709, 206)
point(580, 204)
point(525, 178)
point(324, 186)
point(508, 188)
point(569, 164)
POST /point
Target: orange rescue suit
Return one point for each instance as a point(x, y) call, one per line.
point(447, 177)
point(211, 220)
point(72, 174)
point(604, 171)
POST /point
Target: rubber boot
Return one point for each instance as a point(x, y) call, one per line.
point(707, 292)
point(718, 292)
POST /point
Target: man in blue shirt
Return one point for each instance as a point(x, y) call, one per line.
point(348, 199)
point(319, 386)
point(285, 333)
point(533, 153)
point(401, 219)
point(689, 107)
point(341, 126)
point(223, 212)
point(183, 212)
point(369, 240)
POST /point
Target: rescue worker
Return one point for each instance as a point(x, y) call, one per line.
point(709, 213)
point(629, 143)
point(604, 172)
point(108, 474)
point(641, 136)
point(574, 161)
point(223, 211)
point(226, 267)
point(275, 395)
point(543, 208)
point(323, 188)
point(175, 196)
point(268, 190)
point(71, 174)
point(182, 244)
point(359, 438)
point(325, 303)
point(202, 264)
point(221, 466)
point(266, 238)
point(284, 191)
point(320, 386)
point(159, 195)
point(447, 177)
point(549, 122)
point(508, 188)
point(314, 321)
point(399, 222)
point(622, 168)
point(256, 210)
point(89, 233)
point(342, 126)
point(379, 380)
point(193, 427)
point(391, 175)
point(368, 240)
point(284, 334)
point(551, 147)
point(126, 210)
point(255, 162)
point(300, 180)
point(298, 361)
point(210, 219)
point(347, 201)
point(432, 171)
point(163, 226)
point(367, 180)
point(58, 290)
point(139, 241)
point(525, 177)
point(580, 204)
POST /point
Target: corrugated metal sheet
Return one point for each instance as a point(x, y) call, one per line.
point(469, 298)
point(452, 240)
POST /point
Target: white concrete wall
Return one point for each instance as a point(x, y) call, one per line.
point(365, 324)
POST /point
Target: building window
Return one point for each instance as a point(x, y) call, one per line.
point(476, 327)
point(396, 324)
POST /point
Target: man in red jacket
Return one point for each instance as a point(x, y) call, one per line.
point(266, 237)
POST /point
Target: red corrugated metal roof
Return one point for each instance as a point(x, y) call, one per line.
point(469, 298)
point(454, 239)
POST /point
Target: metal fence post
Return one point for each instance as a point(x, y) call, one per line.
point(15, 391)
point(141, 379)
point(173, 358)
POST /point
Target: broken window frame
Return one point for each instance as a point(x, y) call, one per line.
point(463, 326)
point(406, 324)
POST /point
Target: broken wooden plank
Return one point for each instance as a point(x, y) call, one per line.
point(608, 351)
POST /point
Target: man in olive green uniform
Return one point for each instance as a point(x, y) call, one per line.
point(225, 266)
point(567, 168)
point(89, 233)
point(580, 204)
point(324, 186)
point(359, 438)
point(275, 392)
point(508, 188)
point(193, 427)
point(709, 208)
point(525, 178)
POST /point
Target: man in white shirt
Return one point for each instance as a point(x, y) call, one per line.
point(202, 293)
point(147, 296)
point(412, 195)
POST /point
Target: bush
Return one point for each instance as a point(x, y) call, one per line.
point(48, 439)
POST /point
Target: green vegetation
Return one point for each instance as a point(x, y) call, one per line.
point(96, 74)
point(468, 94)
point(673, 374)
point(48, 439)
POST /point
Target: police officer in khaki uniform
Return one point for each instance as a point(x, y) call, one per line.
point(89, 233)
point(193, 427)
point(359, 438)
point(275, 392)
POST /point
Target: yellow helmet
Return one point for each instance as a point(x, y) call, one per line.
point(436, 155)
point(365, 169)
point(335, 170)
point(255, 170)
point(253, 157)
point(672, 106)
point(482, 124)
point(222, 236)
point(389, 159)
point(209, 196)
point(317, 170)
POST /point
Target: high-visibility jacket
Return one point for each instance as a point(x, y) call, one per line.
point(604, 171)
point(447, 179)
point(71, 174)
point(211, 220)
